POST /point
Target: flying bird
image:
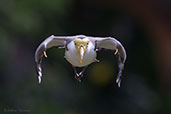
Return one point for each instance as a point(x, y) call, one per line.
point(80, 51)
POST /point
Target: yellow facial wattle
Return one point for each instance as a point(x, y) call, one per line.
point(81, 46)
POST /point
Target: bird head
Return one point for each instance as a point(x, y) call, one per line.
point(81, 46)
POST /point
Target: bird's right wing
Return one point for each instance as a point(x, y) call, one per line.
point(113, 44)
point(52, 41)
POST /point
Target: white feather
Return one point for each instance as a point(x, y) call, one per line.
point(72, 55)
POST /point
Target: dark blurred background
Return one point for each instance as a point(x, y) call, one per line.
point(142, 26)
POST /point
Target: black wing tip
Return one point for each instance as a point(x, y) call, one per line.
point(39, 71)
point(39, 79)
point(118, 80)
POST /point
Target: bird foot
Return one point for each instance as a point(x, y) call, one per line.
point(78, 76)
point(96, 60)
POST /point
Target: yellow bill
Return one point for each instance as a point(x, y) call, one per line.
point(81, 53)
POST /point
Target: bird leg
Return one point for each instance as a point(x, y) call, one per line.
point(78, 76)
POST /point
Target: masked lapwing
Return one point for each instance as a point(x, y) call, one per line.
point(80, 51)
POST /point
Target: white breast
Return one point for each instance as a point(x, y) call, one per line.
point(73, 57)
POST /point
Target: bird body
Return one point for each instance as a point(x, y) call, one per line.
point(80, 51)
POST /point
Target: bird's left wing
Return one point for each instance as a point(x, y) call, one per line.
point(113, 44)
point(52, 41)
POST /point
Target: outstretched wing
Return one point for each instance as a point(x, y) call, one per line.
point(113, 44)
point(52, 41)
